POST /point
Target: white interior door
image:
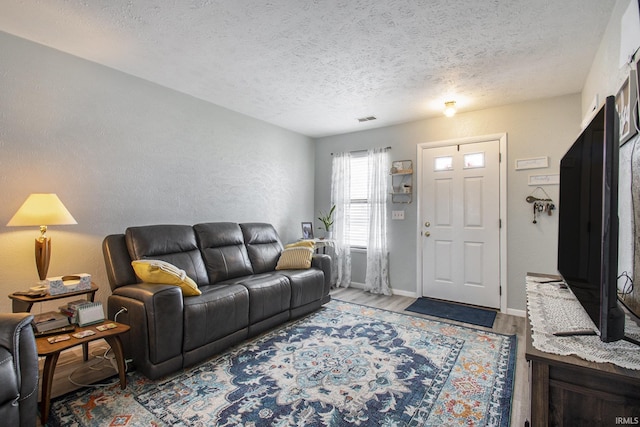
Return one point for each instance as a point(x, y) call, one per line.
point(460, 230)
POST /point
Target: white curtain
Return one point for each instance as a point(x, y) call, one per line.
point(341, 198)
point(377, 276)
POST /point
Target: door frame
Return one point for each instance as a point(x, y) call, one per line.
point(502, 138)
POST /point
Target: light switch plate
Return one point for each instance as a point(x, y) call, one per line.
point(397, 214)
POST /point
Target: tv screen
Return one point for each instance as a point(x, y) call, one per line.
point(588, 221)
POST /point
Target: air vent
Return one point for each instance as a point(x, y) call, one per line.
point(366, 119)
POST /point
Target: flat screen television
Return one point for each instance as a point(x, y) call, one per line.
point(588, 221)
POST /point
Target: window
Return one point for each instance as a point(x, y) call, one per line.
point(443, 163)
point(359, 206)
point(473, 160)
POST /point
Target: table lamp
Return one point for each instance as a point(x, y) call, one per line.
point(42, 210)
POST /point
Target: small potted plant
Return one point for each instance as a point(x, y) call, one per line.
point(327, 221)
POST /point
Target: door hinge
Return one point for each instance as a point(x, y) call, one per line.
point(500, 288)
point(499, 157)
point(500, 223)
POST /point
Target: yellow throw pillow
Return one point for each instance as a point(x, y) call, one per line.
point(161, 272)
point(295, 258)
point(301, 244)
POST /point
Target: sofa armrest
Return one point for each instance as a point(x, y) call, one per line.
point(11, 325)
point(155, 315)
point(117, 261)
point(16, 335)
point(323, 262)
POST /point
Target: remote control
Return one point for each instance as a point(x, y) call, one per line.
point(575, 333)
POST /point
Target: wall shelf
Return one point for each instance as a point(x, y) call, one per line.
point(401, 181)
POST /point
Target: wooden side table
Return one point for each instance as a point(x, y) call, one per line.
point(52, 351)
point(23, 304)
point(569, 390)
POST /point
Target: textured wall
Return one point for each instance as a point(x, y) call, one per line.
point(121, 151)
point(545, 127)
point(606, 76)
point(604, 79)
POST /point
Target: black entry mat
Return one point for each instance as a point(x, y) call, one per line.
point(452, 311)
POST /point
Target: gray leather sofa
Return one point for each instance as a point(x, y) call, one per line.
point(18, 371)
point(242, 293)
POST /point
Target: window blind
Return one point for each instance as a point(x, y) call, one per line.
point(359, 209)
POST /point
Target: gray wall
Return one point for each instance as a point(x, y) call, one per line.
point(605, 78)
point(121, 151)
point(545, 127)
point(539, 128)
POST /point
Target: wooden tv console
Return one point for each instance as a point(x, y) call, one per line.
point(568, 390)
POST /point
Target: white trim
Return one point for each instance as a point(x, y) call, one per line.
point(399, 292)
point(502, 138)
point(514, 312)
point(402, 293)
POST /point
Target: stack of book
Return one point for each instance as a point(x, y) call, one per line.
point(71, 309)
point(50, 322)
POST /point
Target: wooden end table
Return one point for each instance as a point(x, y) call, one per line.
point(52, 351)
point(24, 304)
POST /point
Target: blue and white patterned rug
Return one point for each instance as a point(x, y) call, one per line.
point(346, 364)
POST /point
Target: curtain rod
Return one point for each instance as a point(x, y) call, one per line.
point(360, 151)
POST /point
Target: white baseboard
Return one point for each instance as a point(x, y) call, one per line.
point(511, 311)
point(404, 293)
point(515, 312)
point(358, 285)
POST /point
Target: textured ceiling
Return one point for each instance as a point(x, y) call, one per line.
point(315, 66)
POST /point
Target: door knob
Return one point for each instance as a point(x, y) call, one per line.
point(427, 224)
point(427, 234)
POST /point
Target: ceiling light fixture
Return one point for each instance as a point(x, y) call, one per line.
point(450, 108)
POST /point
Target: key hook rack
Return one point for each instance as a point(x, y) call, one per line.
point(541, 203)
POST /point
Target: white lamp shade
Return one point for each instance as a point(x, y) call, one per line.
point(42, 209)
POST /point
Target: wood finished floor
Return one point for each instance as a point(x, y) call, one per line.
point(96, 369)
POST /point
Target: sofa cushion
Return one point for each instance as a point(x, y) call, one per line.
point(295, 258)
point(306, 285)
point(175, 244)
point(161, 272)
point(301, 243)
point(220, 311)
point(263, 246)
point(269, 294)
point(223, 250)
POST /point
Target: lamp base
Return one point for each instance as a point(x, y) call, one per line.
point(43, 255)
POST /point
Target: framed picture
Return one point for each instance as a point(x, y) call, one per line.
point(532, 163)
point(626, 107)
point(307, 230)
point(552, 179)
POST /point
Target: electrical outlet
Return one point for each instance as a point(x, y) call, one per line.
point(397, 214)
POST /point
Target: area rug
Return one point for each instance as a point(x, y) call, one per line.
point(452, 311)
point(345, 364)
